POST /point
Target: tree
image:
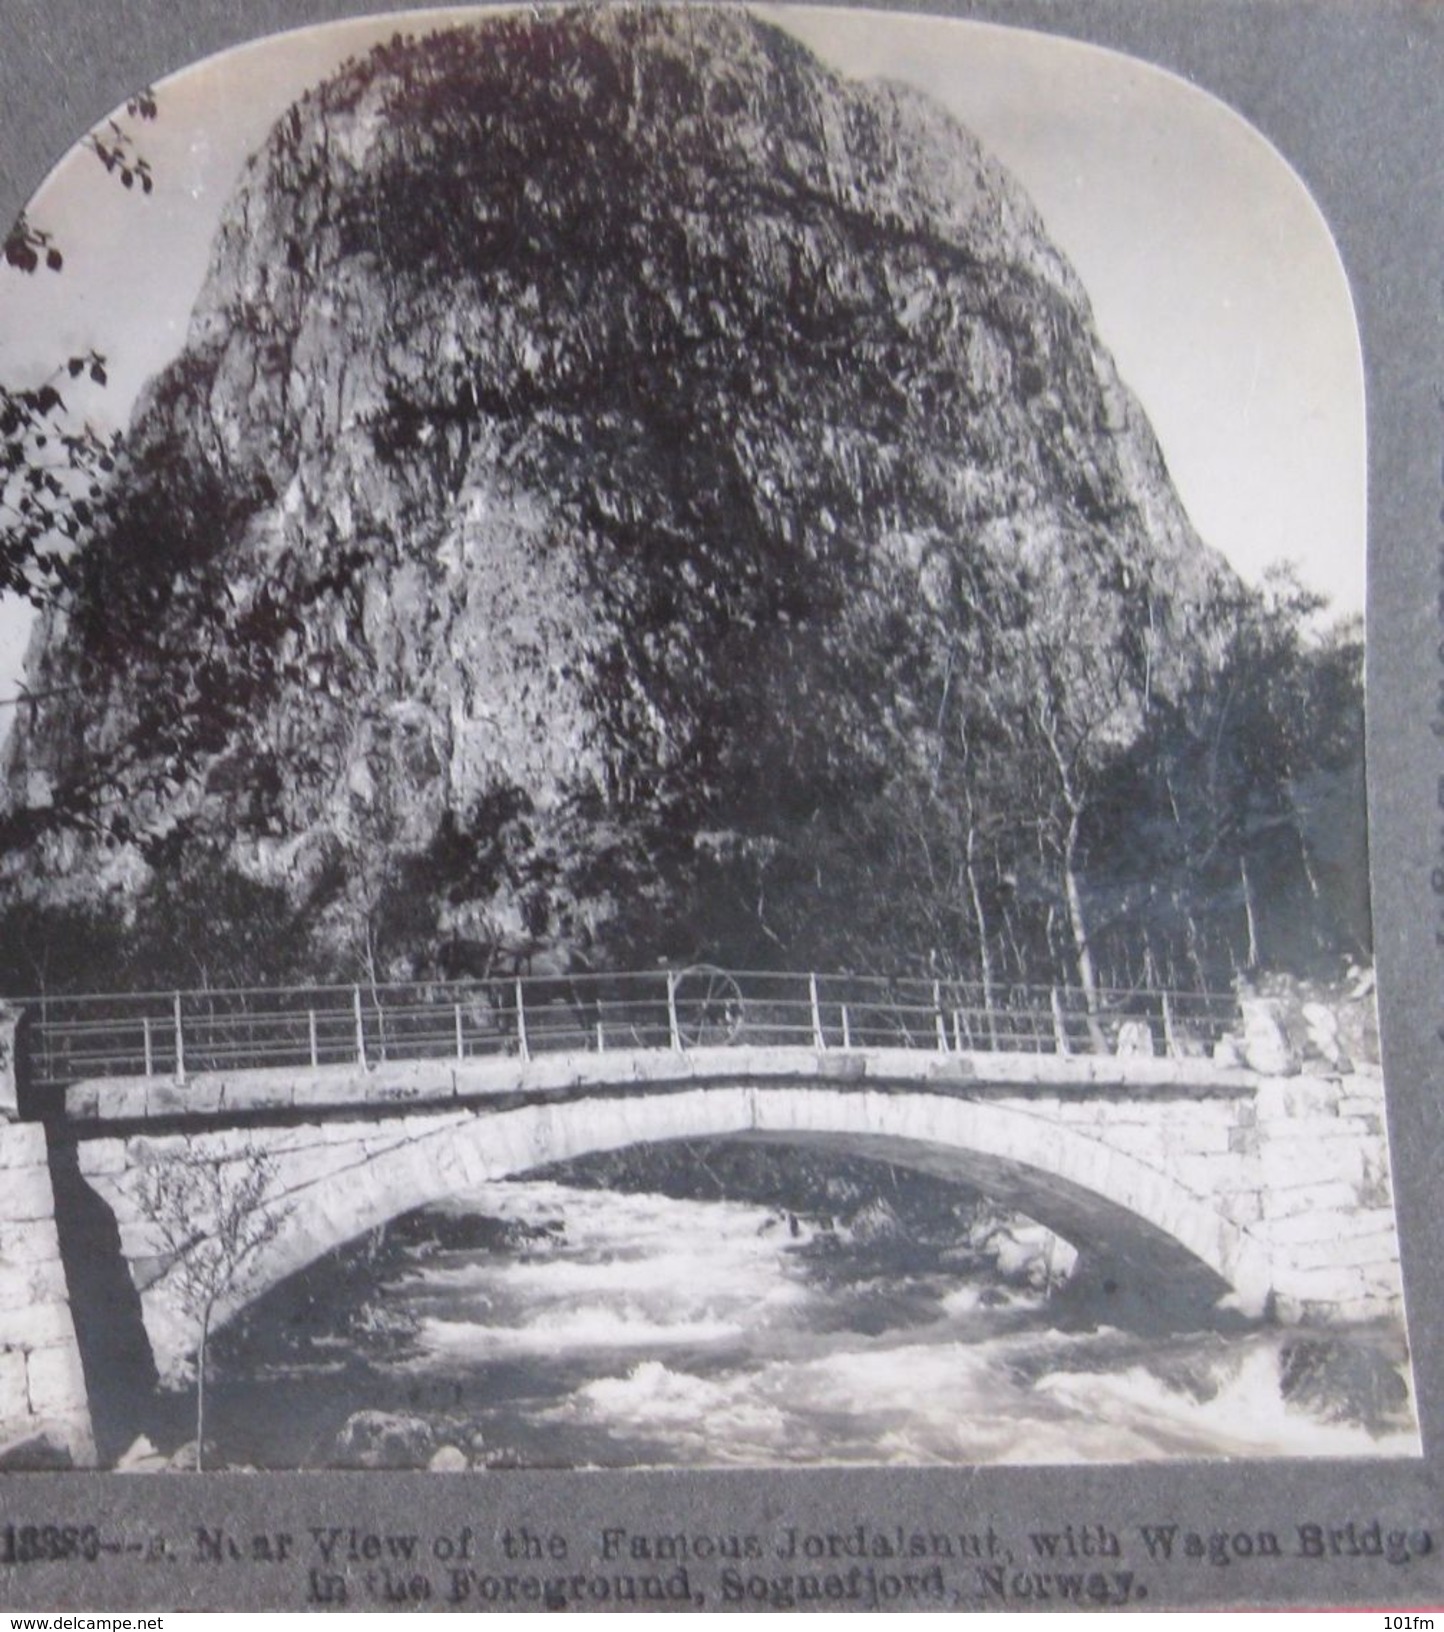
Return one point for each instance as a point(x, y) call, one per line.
point(53, 469)
point(212, 1215)
point(1255, 774)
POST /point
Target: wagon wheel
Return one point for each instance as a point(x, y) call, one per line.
point(708, 1005)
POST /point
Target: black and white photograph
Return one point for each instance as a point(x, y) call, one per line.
point(682, 773)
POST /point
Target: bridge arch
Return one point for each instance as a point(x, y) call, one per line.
point(1118, 1210)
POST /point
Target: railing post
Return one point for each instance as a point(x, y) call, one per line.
point(460, 1039)
point(149, 1054)
point(1060, 1028)
point(180, 1043)
point(818, 1040)
point(1170, 1037)
point(672, 1026)
point(846, 1028)
point(360, 1026)
point(521, 1041)
point(942, 1025)
point(314, 1041)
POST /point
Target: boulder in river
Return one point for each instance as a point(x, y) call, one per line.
point(383, 1439)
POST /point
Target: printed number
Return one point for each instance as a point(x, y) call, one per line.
point(48, 1543)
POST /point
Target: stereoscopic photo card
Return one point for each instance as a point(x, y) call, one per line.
point(719, 869)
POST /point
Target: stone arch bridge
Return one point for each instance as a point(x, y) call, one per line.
point(1182, 1176)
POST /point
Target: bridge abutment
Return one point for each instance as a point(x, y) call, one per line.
point(44, 1408)
point(1325, 1197)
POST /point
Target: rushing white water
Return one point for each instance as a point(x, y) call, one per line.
point(640, 1330)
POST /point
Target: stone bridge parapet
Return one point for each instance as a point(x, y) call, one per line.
point(390, 1086)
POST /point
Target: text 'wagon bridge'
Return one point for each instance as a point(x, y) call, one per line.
point(1173, 1138)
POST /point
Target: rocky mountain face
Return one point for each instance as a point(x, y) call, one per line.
point(609, 449)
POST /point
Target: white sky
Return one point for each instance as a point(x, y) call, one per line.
point(1212, 275)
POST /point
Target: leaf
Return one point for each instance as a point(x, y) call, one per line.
point(19, 254)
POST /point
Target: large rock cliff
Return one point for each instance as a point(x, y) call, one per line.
point(587, 424)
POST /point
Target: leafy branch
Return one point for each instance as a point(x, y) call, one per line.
point(52, 473)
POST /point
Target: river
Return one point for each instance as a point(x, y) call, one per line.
point(544, 1324)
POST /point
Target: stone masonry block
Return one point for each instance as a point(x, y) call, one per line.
point(14, 1392)
point(22, 1285)
point(1246, 1206)
point(1384, 1280)
point(22, 1243)
point(138, 1239)
point(1363, 1105)
point(204, 1096)
point(22, 1145)
point(28, 1196)
point(1243, 1141)
point(1284, 1099)
point(1284, 1200)
point(124, 1103)
point(1199, 1139)
point(313, 1166)
point(168, 1098)
point(1215, 1178)
point(1312, 1166)
point(82, 1102)
point(48, 1325)
point(1329, 1224)
point(1325, 1284)
point(103, 1156)
point(56, 1381)
point(1345, 1250)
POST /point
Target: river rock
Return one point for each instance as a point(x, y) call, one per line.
point(140, 1457)
point(1135, 1040)
point(1355, 1377)
point(1228, 1052)
point(40, 1452)
point(1266, 1046)
point(382, 1439)
point(875, 1222)
point(1323, 1029)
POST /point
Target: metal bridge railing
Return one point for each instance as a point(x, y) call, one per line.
point(177, 1034)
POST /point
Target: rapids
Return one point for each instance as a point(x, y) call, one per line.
point(539, 1324)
